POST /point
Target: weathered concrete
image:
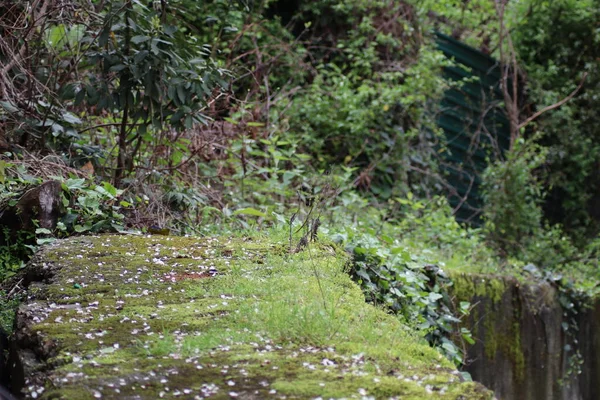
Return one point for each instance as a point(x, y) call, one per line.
point(131, 317)
point(521, 347)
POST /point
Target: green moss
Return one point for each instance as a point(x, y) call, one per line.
point(462, 287)
point(148, 317)
point(510, 345)
point(499, 336)
point(487, 290)
point(490, 341)
point(516, 351)
point(466, 287)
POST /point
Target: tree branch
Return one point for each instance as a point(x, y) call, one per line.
point(555, 105)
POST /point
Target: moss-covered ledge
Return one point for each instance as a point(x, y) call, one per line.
point(133, 317)
point(521, 348)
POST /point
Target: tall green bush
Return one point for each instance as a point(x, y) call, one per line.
point(512, 196)
point(556, 42)
point(373, 96)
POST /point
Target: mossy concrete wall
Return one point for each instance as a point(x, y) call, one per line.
point(132, 317)
point(521, 350)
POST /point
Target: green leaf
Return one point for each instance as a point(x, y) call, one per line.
point(140, 39)
point(139, 57)
point(82, 228)
point(397, 250)
point(464, 306)
point(468, 339)
point(250, 211)
point(8, 106)
point(41, 241)
point(75, 34)
point(108, 190)
point(103, 38)
point(103, 192)
point(79, 97)
point(75, 184)
point(434, 296)
point(117, 68)
point(71, 118)
point(449, 347)
point(56, 37)
point(89, 202)
point(154, 46)
point(466, 376)
point(176, 117)
point(363, 274)
point(387, 239)
point(181, 94)
point(189, 122)
point(97, 227)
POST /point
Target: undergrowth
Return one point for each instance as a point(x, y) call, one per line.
point(303, 120)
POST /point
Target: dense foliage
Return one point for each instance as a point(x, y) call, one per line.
point(201, 116)
point(553, 64)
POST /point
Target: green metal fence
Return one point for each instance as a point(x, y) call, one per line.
point(474, 123)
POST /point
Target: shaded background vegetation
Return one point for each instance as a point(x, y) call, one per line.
point(219, 115)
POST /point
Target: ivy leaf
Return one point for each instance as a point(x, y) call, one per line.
point(433, 297)
point(71, 184)
point(363, 274)
point(82, 228)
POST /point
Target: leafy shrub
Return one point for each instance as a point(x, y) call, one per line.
point(408, 285)
point(554, 64)
point(91, 208)
point(515, 223)
point(382, 124)
point(13, 254)
point(14, 249)
point(512, 195)
point(399, 260)
point(8, 306)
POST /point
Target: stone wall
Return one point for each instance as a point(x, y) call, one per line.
point(520, 348)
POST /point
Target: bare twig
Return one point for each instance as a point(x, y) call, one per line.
point(509, 62)
point(14, 289)
point(555, 105)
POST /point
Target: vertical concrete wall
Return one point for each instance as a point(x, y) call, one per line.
point(521, 349)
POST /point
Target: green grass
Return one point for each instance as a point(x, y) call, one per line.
point(269, 321)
